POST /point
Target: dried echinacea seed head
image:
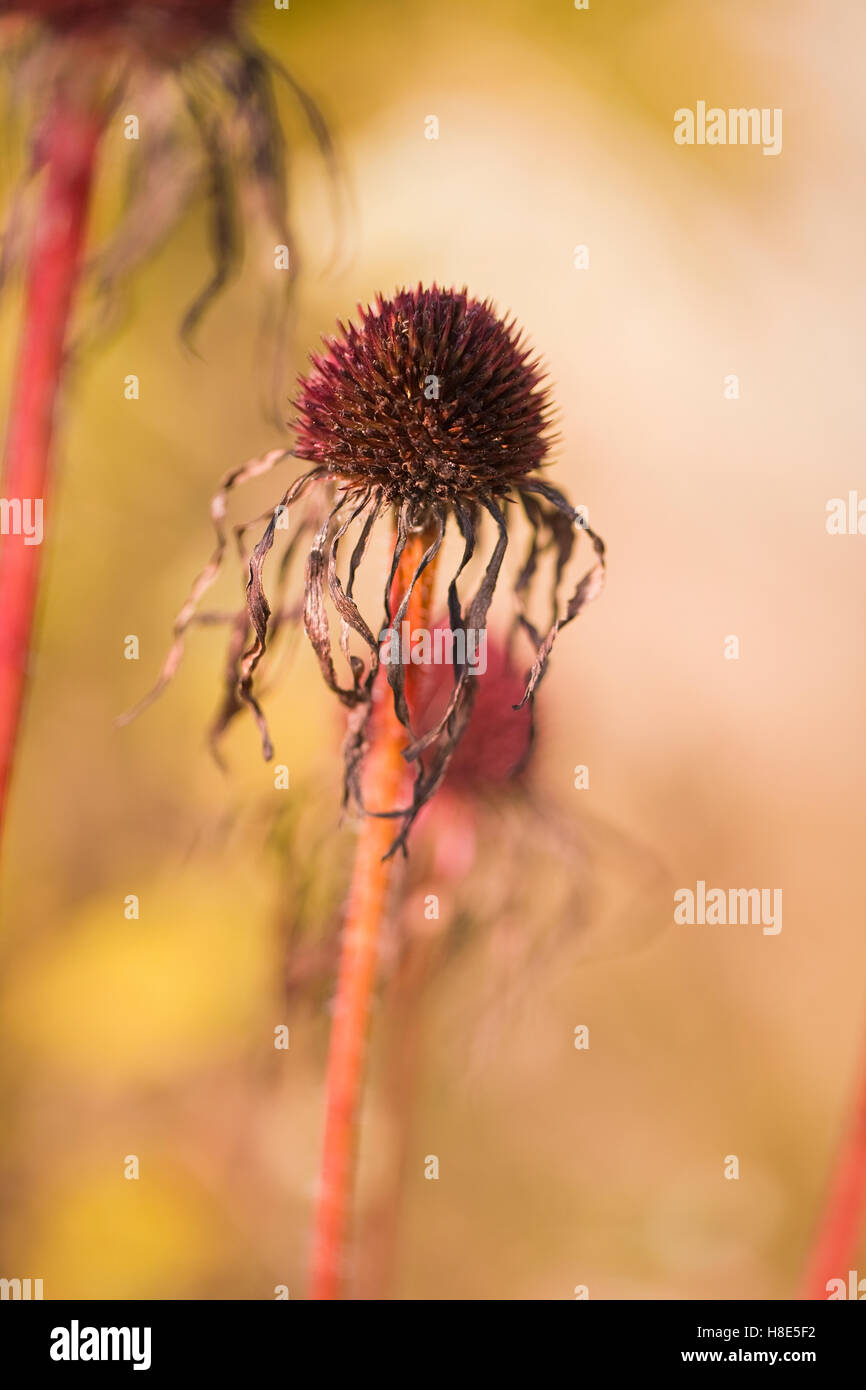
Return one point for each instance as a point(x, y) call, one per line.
point(430, 413)
point(430, 398)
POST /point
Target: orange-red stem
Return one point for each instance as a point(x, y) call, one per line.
point(841, 1226)
point(386, 785)
point(69, 142)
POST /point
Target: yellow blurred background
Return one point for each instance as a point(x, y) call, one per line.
point(154, 1037)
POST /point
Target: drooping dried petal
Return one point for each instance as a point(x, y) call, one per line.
point(499, 738)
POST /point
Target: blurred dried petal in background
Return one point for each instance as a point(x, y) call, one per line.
point(195, 110)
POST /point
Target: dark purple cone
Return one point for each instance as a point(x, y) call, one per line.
point(431, 398)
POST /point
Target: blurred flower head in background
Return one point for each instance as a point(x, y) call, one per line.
point(196, 97)
point(158, 26)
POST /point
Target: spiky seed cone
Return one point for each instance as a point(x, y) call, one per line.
point(432, 397)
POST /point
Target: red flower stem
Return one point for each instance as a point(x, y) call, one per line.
point(68, 147)
point(841, 1226)
point(387, 781)
point(403, 1073)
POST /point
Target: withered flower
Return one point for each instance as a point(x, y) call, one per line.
point(430, 410)
point(204, 113)
point(208, 119)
